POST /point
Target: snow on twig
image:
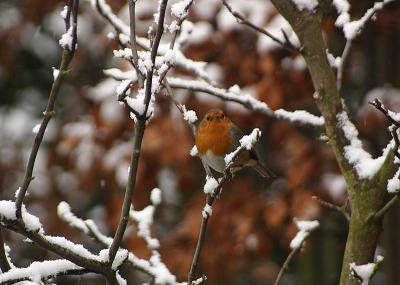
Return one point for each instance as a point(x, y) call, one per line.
point(195, 67)
point(352, 28)
point(153, 267)
point(365, 166)
point(305, 228)
point(39, 270)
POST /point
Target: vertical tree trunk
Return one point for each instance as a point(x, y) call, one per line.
point(366, 196)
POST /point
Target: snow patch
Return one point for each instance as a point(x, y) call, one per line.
point(210, 185)
point(305, 228)
point(310, 5)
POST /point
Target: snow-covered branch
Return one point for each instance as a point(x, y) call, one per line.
point(212, 188)
point(196, 68)
point(233, 94)
point(352, 29)
point(365, 166)
point(29, 226)
point(305, 228)
point(38, 271)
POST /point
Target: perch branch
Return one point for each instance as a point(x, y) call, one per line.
point(228, 174)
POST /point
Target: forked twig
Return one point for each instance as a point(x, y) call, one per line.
point(242, 20)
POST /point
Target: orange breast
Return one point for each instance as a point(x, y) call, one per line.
point(214, 136)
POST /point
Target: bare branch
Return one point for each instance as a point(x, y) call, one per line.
point(286, 265)
point(345, 55)
point(381, 213)
point(67, 56)
point(331, 206)
point(132, 21)
point(242, 20)
point(396, 125)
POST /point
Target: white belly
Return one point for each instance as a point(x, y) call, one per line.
point(215, 162)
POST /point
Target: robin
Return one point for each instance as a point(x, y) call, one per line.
point(218, 136)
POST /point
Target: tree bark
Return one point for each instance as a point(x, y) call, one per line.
point(366, 196)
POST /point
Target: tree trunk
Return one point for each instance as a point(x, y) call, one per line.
point(366, 196)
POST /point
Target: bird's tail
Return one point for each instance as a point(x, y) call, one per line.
point(264, 171)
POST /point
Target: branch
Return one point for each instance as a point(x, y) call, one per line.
point(331, 206)
point(42, 270)
point(305, 228)
point(141, 125)
point(389, 115)
point(193, 67)
point(242, 20)
point(286, 265)
point(203, 228)
point(29, 226)
point(213, 189)
point(234, 94)
point(67, 56)
point(132, 21)
point(345, 55)
point(352, 30)
point(381, 213)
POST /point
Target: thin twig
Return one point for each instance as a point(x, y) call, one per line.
point(42, 241)
point(331, 206)
point(153, 54)
point(286, 264)
point(181, 109)
point(345, 55)
point(203, 229)
point(67, 56)
point(132, 21)
point(178, 105)
point(379, 105)
point(346, 51)
point(378, 215)
point(173, 40)
point(396, 125)
point(228, 174)
point(242, 20)
point(140, 128)
point(4, 264)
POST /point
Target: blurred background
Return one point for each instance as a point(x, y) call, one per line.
point(86, 151)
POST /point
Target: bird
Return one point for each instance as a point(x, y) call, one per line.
point(218, 136)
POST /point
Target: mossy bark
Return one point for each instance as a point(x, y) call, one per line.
point(366, 196)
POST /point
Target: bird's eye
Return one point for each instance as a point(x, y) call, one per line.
point(208, 118)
